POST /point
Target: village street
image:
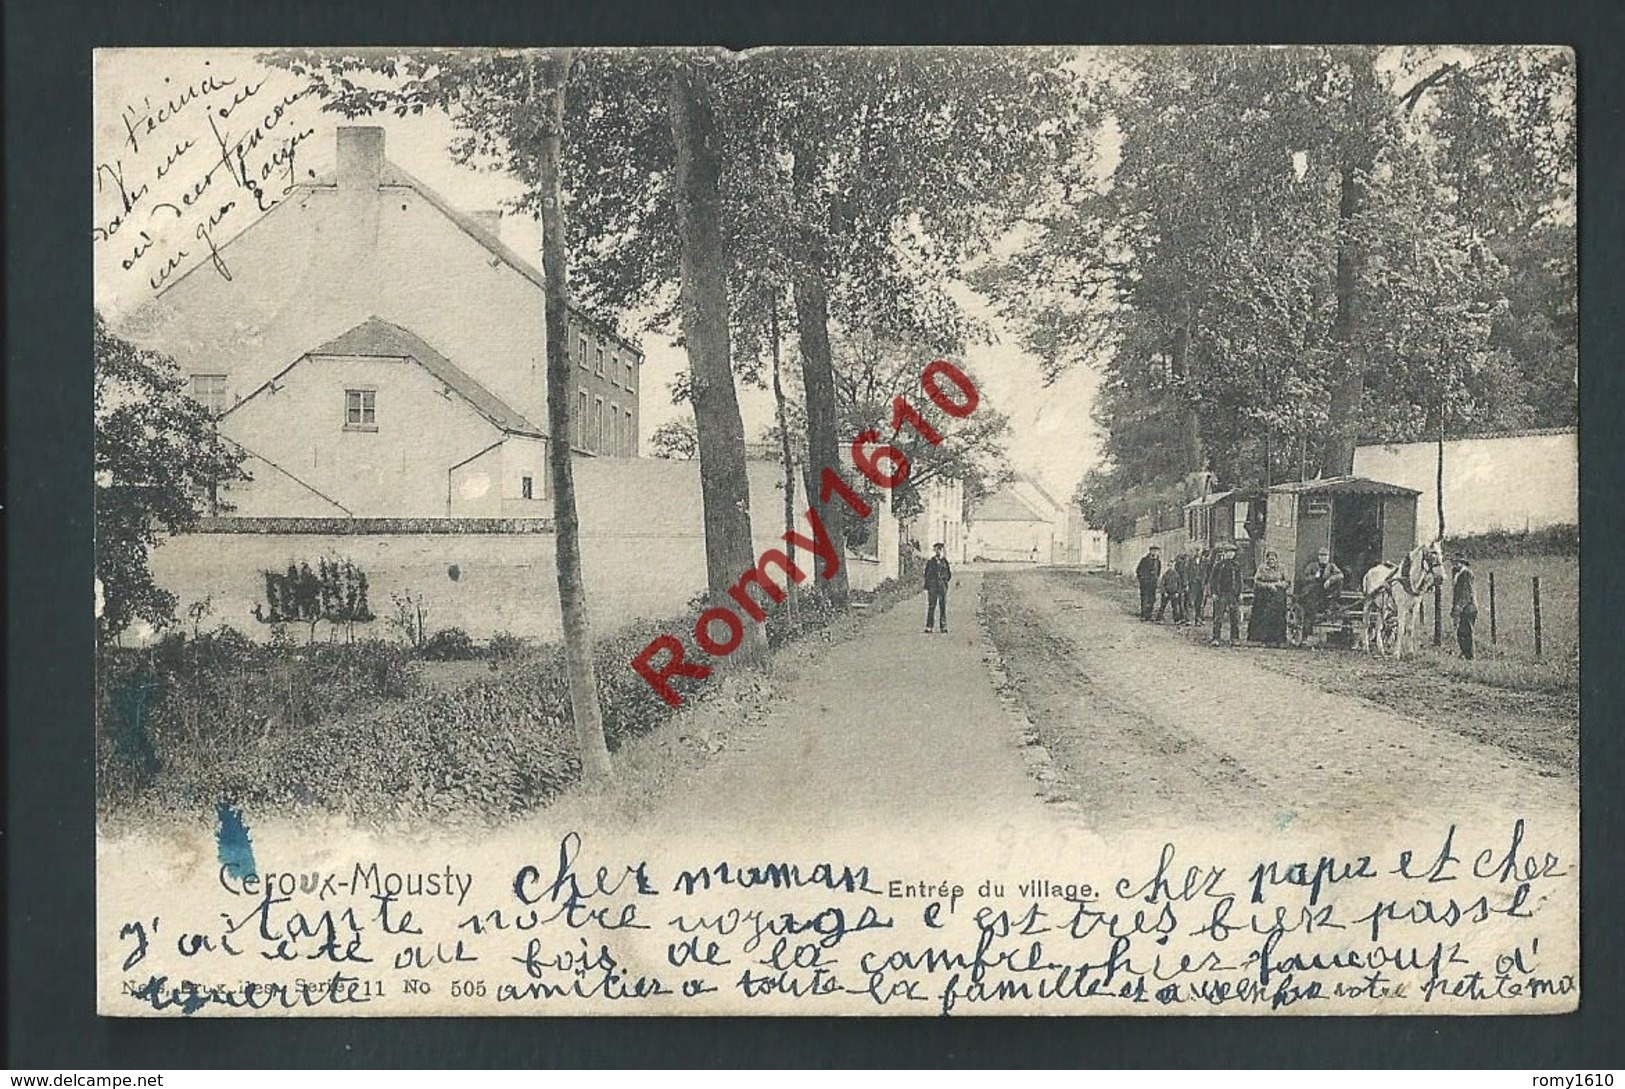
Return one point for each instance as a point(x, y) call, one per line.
point(897, 733)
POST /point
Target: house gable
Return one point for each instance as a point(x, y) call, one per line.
point(372, 241)
point(393, 461)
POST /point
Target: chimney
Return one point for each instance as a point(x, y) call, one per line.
point(360, 156)
point(490, 222)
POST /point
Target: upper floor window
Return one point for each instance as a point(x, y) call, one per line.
point(527, 487)
point(599, 369)
point(581, 350)
point(361, 408)
point(210, 391)
point(631, 372)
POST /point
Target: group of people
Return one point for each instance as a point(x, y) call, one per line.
point(1185, 586)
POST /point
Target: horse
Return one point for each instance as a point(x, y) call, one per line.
point(1405, 583)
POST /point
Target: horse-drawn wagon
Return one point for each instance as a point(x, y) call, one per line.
point(1362, 523)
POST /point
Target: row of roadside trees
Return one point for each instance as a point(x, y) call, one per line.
point(1285, 252)
point(828, 195)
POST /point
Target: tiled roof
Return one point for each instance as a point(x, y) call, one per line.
point(1006, 506)
point(393, 176)
point(377, 338)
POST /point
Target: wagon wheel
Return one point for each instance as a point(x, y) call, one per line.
point(1295, 633)
point(1381, 622)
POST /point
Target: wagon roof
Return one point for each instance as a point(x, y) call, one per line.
point(1344, 485)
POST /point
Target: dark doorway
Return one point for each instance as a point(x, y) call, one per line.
point(1357, 535)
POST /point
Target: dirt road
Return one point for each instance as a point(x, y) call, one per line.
point(1150, 726)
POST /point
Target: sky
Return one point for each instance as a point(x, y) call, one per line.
point(163, 197)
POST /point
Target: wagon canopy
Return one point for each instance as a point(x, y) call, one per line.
point(1344, 485)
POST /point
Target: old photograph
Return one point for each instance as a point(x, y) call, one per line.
point(875, 531)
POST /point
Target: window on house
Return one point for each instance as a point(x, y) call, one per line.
point(631, 372)
point(579, 424)
point(527, 488)
point(361, 408)
point(631, 436)
point(612, 429)
point(599, 369)
point(581, 350)
point(209, 390)
point(597, 430)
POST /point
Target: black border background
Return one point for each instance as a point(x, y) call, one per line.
point(49, 829)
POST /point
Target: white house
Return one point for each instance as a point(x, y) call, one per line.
point(378, 352)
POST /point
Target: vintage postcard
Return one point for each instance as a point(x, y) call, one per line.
point(966, 531)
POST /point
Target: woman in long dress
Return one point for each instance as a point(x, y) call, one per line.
point(1267, 624)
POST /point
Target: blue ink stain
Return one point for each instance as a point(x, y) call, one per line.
point(236, 849)
point(132, 702)
point(1284, 819)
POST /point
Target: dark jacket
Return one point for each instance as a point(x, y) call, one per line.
point(1462, 597)
point(1329, 577)
point(1226, 578)
point(937, 573)
point(1150, 569)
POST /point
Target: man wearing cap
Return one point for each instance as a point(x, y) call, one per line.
point(937, 577)
point(1225, 585)
point(1464, 605)
point(1322, 582)
point(1149, 573)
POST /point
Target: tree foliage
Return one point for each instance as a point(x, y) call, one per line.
point(158, 459)
point(1298, 248)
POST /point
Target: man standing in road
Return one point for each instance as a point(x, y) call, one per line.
point(1149, 573)
point(1464, 606)
point(1225, 584)
point(937, 577)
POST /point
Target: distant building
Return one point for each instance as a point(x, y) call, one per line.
point(1019, 523)
point(1085, 545)
point(377, 352)
point(1513, 481)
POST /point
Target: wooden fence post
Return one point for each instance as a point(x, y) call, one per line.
point(1492, 607)
point(1537, 616)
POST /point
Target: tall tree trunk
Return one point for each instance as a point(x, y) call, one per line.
point(724, 485)
point(1438, 471)
point(818, 375)
point(584, 706)
point(1347, 390)
point(781, 410)
point(1190, 423)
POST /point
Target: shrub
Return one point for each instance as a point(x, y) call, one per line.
point(449, 645)
point(504, 646)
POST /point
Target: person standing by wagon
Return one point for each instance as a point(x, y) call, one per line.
point(1267, 624)
point(1172, 590)
point(938, 574)
point(1464, 605)
point(1196, 578)
point(1149, 573)
point(1225, 583)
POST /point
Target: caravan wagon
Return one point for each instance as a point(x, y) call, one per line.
point(1362, 522)
point(1237, 516)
